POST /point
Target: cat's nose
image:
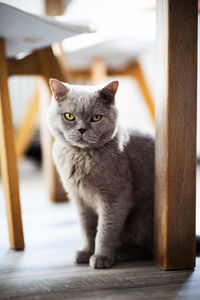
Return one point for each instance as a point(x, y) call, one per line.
point(82, 130)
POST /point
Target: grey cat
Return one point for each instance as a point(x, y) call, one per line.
point(106, 170)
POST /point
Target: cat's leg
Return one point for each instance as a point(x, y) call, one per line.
point(110, 224)
point(88, 222)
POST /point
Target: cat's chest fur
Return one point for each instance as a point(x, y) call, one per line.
point(92, 175)
point(82, 172)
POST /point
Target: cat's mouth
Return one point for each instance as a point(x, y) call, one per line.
point(85, 142)
point(82, 140)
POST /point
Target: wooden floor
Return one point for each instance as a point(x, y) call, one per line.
point(45, 269)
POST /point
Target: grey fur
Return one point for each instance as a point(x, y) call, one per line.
point(109, 175)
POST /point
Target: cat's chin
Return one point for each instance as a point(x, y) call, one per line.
point(83, 144)
point(80, 143)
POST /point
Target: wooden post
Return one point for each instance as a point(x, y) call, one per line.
point(54, 8)
point(24, 133)
point(8, 158)
point(49, 68)
point(175, 153)
point(98, 71)
point(138, 74)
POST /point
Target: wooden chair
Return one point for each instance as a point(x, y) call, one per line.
point(33, 33)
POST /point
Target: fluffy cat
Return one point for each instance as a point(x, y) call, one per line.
point(107, 171)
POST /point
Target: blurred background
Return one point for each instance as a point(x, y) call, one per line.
point(125, 34)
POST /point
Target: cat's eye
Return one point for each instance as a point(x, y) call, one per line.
point(69, 117)
point(96, 118)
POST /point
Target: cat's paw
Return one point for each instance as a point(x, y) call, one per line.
point(82, 257)
point(101, 262)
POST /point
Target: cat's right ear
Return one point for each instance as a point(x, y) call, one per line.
point(109, 91)
point(58, 88)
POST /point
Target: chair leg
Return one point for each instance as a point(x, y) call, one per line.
point(55, 189)
point(8, 159)
point(24, 132)
point(49, 67)
point(175, 152)
point(98, 71)
point(139, 76)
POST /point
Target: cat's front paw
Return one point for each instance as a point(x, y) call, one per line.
point(82, 257)
point(101, 262)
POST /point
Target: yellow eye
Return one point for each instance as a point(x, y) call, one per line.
point(96, 118)
point(69, 117)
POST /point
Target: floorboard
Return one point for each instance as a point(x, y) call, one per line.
point(45, 269)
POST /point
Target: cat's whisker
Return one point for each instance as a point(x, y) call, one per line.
point(91, 140)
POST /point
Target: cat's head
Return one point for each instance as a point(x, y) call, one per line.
point(83, 116)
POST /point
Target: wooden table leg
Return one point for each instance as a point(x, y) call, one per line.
point(175, 160)
point(8, 159)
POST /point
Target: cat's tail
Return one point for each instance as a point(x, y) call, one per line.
point(198, 243)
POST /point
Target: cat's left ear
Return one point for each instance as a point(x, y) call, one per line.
point(109, 91)
point(58, 88)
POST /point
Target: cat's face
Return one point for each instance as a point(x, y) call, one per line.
point(83, 116)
